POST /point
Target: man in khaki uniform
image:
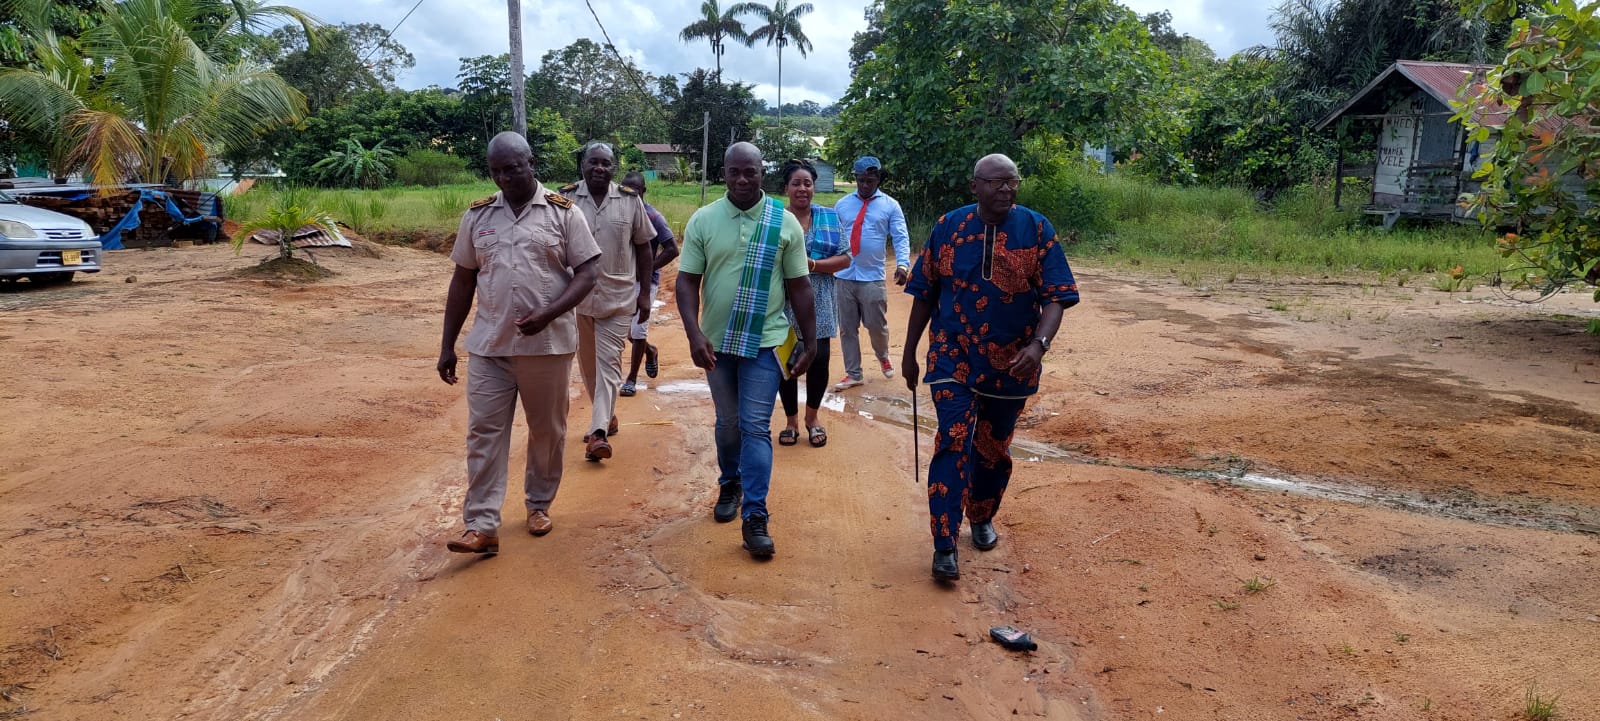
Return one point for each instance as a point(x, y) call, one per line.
point(621, 227)
point(529, 258)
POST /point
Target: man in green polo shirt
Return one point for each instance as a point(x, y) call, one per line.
point(743, 257)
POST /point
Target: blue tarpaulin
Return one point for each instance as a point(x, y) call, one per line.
point(112, 239)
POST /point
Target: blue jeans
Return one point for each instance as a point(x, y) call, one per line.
point(743, 391)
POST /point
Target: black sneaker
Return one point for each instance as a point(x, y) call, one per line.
point(983, 535)
point(945, 566)
point(728, 502)
point(756, 540)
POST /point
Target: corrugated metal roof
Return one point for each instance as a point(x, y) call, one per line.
point(1441, 80)
point(658, 148)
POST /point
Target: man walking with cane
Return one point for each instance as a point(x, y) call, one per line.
point(990, 287)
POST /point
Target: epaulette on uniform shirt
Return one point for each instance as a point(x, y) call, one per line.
point(481, 202)
point(559, 200)
point(627, 190)
point(569, 187)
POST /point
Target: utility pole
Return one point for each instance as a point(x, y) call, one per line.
point(519, 104)
point(705, 140)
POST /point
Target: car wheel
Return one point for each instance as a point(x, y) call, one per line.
point(53, 278)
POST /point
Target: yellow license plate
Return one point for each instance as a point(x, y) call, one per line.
point(72, 257)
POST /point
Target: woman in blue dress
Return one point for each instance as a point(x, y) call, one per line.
point(827, 253)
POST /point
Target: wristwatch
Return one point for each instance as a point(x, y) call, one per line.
point(1043, 341)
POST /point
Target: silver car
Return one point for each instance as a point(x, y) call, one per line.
point(43, 245)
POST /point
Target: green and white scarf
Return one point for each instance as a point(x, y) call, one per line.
point(747, 321)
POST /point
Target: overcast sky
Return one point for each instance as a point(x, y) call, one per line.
point(441, 32)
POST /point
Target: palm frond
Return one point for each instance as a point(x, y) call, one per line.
point(108, 145)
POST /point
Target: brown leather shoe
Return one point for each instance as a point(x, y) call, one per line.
point(539, 523)
point(475, 542)
point(612, 427)
point(597, 449)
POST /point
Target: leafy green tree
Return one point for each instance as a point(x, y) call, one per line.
point(355, 166)
point(865, 43)
point(347, 59)
point(1242, 133)
point(137, 96)
point(716, 26)
point(485, 87)
point(954, 81)
point(730, 105)
point(1543, 178)
point(602, 96)
point(22, 20)
point(781, 26)
point(780, 141)
point(289, 211)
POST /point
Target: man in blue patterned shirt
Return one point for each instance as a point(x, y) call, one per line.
point(989, 287)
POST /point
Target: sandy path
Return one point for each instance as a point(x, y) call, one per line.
point(227, 499)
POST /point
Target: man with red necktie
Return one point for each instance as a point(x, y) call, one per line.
point(872, 221)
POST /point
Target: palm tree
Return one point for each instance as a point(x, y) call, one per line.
point(137, 96)
point(291, 210)
point(716, 26)
point(782, 26)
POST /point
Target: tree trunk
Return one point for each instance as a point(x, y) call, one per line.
point(780, 82)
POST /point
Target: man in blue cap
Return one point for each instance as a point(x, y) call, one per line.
point(872, 220)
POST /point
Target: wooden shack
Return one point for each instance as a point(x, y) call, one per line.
point(1423, 160)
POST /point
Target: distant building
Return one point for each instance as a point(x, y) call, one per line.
point(1424, 162)
point(662, 157)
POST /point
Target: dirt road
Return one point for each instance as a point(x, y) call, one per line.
point(226, 499)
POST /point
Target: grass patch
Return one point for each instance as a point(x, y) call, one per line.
point(1214, 232)
point(1205, 236)
point(1257, 584)
point(1594, 327)
point(1536, 707)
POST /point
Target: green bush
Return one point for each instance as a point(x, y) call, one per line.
point(430, 168)
point(1076, 202)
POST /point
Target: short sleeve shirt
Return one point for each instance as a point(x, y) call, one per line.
point(663, 239)
point(714, 245)
point(987, 284)
point(524, 262)
point(622, 230)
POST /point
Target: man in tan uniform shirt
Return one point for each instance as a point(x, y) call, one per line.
point(621, 227)
point(528, 257)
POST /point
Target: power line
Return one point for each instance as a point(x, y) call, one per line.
point(631, 71)
point(385, 39)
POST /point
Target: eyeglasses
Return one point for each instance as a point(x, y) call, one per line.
point(999, 183)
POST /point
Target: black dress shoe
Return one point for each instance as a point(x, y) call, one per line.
point(983, 535)
point(756, 540)
point(945, 567)
point(728, 502)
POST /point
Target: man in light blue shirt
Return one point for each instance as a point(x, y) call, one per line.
point(871, 220)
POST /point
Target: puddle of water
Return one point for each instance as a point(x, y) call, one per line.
point(1518, 512)
point(696, 389)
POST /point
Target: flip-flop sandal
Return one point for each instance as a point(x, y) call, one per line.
point(651, 356)
point(819, 437)
point(788, 437)
point(628, 389)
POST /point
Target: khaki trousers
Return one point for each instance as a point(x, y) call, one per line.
point(493, 386)
point(858, 303)
point(600, 344)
